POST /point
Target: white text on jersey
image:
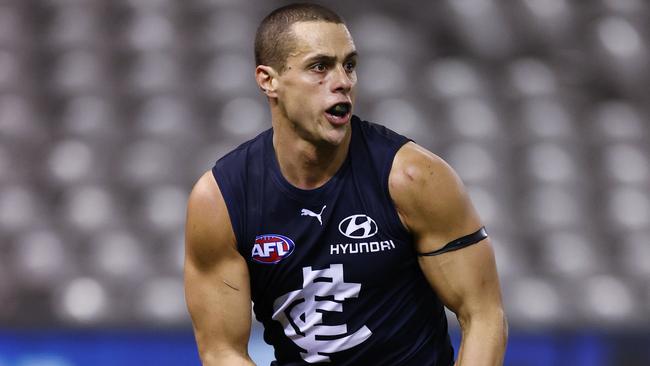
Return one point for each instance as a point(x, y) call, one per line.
point(362, 247)
point(265, 249)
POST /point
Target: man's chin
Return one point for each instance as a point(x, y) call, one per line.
point(335, 135)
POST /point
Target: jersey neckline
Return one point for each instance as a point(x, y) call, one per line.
point(305, 195)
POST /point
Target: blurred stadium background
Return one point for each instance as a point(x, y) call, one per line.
point(110, 110)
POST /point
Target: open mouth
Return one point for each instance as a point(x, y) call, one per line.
point(339, 109)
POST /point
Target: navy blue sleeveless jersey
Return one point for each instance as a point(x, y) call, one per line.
point(334, 274)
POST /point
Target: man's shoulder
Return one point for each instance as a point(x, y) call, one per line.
point(418, 164)
point(426, 189)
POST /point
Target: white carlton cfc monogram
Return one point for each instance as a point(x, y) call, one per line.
point(297, 312)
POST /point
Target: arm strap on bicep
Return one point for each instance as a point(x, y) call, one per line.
point(460, 243)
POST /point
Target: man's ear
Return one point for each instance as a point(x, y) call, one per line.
point(266, 78)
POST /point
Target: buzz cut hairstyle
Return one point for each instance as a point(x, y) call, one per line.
point(274, 39)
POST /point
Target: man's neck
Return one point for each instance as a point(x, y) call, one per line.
point(304, 164)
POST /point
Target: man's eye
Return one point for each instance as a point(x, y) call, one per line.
point(349, 66)
point(319, 67)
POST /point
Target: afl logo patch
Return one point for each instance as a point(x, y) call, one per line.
point(271, 248)
point(358, 227)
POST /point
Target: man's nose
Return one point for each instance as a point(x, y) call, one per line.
point(342, 80)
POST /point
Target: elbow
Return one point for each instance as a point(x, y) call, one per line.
point(213, 353)
point(502, 321)
point(225, 358)
point(492, 319)
point(506, 328)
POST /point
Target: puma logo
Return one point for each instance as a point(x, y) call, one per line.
point(306, 212)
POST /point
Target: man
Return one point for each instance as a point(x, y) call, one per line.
point(347, 237)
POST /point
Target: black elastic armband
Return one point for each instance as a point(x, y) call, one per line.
point(460, 243)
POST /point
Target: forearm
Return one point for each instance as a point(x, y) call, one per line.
point(483, 341)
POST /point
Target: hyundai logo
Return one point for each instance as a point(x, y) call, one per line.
point(358, 227)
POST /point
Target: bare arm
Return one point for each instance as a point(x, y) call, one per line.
point(217, 287)
point(433, 205)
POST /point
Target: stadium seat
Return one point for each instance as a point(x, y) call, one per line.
point(90, 116)
point(74, 25)
point(534, 302)
point(149, 30)
point(79, 71)
point(618, 121)
point(226, 30)
point(228, 75)
point(242, 118)
point(11, 71)
point(155, 72)
point(383, 77)
point(162, 208)
point(71, 161)
point(634, 255)
point(162, 301)
point(403, 117)
point(118, 255)
point(455, 77)
point(628, 208)
point(626, 164)
point(552, 164)
point(572, 254)
point(89, 208)
point(41, 258)
point(607, 299)
point(544, 119)
point(13, 29)
point(21, 207)
point(83, 301)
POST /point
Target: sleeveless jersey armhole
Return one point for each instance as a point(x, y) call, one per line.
point(230, 200)
point(398, 224)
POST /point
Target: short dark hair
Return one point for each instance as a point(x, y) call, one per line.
point(274, 41)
